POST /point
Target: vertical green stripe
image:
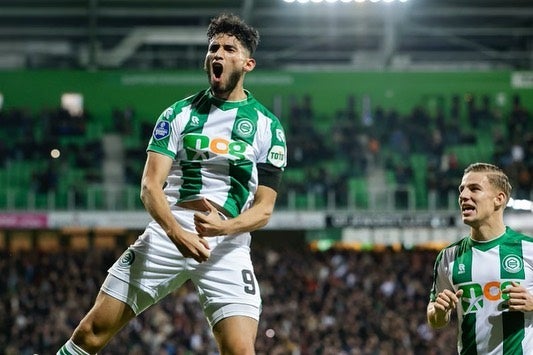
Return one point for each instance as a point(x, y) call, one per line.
point(512, 261)
point(512, 267)
point(240, 176)
point(192, 178)
point(513, 332)
point(468, 337)
point(462, 267)
point(248, 113)
point(199, 113)
point(240, 171)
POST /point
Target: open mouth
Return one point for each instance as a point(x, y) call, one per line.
point(217, 70)
point(467, 209)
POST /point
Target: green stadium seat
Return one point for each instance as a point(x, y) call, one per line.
point(419, 166)
point(358, 192)
point(295, 175)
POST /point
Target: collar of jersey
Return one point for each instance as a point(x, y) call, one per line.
point(225, 104)
point(486, 245)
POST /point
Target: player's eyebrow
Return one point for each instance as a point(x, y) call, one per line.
point(227, 46)
point(470, 186)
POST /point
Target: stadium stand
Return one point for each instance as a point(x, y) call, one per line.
point(332, 302)
point(390, 162)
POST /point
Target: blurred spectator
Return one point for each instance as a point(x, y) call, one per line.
point(524, 183)
point(123, 120)
point(473, 112)
point(373, 149)
point(4, 153)
point(436, 148)
point(46, 181)
point(485, 114)
point(66, 124)
point(518, 119)
point(416, 126)
point(399, 142)
point(403, 175)
point(448, 178)
point(455, 109)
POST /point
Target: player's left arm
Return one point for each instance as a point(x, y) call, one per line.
point(520, 299)
point(257, 216)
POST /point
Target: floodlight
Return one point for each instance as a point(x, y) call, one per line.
point(73, 103)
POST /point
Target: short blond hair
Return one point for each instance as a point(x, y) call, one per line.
point(495, 175)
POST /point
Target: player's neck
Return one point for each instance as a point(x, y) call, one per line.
point(237, 94)
point(487, 232)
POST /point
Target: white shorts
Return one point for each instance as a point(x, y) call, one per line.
point(153, 267)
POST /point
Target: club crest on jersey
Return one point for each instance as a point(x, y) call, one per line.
point(162, 130)
point(512, 264)
point(245, 127)
point(127, 258)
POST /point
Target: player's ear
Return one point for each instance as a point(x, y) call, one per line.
point(501, 199)
point(249, 65)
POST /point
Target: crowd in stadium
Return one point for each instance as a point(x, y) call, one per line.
point(358, 140)
point(329, 302)
point(388, 138)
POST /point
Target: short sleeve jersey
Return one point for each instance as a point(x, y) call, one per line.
point(482, 270)
point(216, 146)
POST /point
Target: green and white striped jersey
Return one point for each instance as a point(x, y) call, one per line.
point(482, 270)
point(216, 146)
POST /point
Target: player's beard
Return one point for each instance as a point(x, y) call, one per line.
point(224, 87)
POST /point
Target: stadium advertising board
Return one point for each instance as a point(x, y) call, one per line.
point(23, 220)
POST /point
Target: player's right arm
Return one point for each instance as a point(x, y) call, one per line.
point(439, 311)
point(156, 170)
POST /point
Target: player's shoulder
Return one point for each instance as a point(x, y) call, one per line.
point(462, 242)
point(260, 107)
point(178, 106)
point(458, 247)
point(511, 233)
point(194, 99)
point(265, 111)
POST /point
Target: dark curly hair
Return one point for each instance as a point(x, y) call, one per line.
point(234, 26)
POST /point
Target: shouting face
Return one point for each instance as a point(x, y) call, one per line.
point(226, 62)
point(479, 200)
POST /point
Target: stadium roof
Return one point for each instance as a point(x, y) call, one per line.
point(416, 34)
